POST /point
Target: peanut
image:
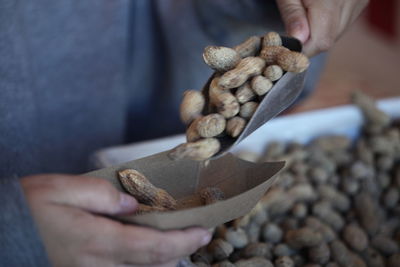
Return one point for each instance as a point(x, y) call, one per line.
point(199, 150)
point(237, 237)
point(221, 58)
point(283, 249)
point(247, 67)
point(235, 126)
point(223, 264)
point(367, 212)
point(192, 134)
point(355, 237)
point(319, 254)
point(373, 258)
point(256, 250)
point(340, 253)
point(247, 109)
point(192, 105)
point(254, 262)
point(220, 249)
point(253, 232)
point(270, 53)
point(272, 39)
point(227, 105)
point(293, 61)
point(303, 237)
point(211, 125)
point(394, 260)
point(244, 93)
point(210, 195)
point(215, 90)
point(249, 48)
point(225, 102)
point(385, 245)
point(284, 261)
point(260, 85)
point(145, 192)
point(272, 233)
point(273, 72)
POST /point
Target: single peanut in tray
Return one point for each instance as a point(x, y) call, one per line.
point(144, 191)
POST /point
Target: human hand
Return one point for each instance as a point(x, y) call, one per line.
point(319, 23)
point(68, 213)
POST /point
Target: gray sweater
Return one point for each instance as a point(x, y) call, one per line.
point(76, 76)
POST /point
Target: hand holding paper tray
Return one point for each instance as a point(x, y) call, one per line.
point(243, 183)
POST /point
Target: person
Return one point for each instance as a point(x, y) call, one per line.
point(77, 76)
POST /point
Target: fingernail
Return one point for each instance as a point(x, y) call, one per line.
point(206, 239)
point(127, 203)
point(296, 30)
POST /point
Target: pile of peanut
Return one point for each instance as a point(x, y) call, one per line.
point(243, 76)
point(336, 205)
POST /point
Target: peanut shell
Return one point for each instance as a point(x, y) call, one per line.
point(192, 134)
point(199, 150)
point(211, 125)
point(260, 85)
point(293, 61)
point(247, 109)
point(244, 93)
point(221, 58)
point(145, 192)
point(271, 39)
point(273, 72)
point(247, 67)
point(235, 126)
point(249, 48)
point(191, 106)
point(270, 53)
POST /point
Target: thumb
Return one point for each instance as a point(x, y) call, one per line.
point(88, 193)
point(295, 19)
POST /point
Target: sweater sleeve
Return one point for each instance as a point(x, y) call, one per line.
point(20, 244)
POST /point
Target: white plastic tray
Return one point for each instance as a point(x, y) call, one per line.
point(302, 127)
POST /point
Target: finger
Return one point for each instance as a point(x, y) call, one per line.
point(350, 13)
point(142, 245)
point(295, 19)
point(324, 21)
point(89, 193)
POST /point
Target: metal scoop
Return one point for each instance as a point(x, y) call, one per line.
point(280, 97)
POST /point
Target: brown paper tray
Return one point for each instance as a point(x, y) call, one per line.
point(243, 183)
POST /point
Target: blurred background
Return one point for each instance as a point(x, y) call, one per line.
point(367, 57)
